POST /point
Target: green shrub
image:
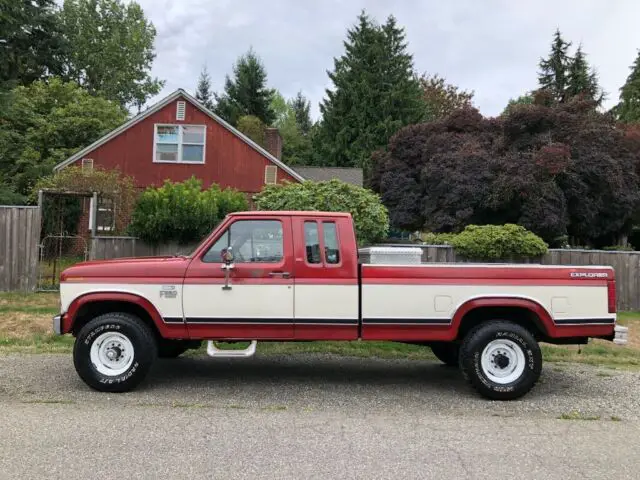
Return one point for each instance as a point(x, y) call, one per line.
point(619, 248)
point(369, 215)
point(182, 212)
point(430, 238)
point(498, 242)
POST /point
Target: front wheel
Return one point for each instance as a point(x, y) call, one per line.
point(114, 352)
point(501, 360)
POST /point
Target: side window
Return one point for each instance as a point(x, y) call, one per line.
point(251, 240)
point(312, 242)
point(331, 247)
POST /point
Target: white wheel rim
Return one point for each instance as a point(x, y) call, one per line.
point(112, 354)
point(503, 361)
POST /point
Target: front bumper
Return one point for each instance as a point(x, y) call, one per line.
point(621, 335)
point(57, 324)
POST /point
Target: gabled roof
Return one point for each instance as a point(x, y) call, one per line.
point(158, 106)
point(348, 175)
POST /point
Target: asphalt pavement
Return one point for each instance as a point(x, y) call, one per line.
point(314, 416)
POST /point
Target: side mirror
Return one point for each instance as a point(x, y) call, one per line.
point(227, 255)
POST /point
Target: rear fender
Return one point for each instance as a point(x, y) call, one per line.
point(544, 320)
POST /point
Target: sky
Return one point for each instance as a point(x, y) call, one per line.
point(491, 46)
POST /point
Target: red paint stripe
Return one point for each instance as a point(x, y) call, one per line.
point(125, 280)
point(461, 272)
point(483, 281)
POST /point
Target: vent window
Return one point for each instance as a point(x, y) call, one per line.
point(270, 174)
point(180, 109)
point(87, 164)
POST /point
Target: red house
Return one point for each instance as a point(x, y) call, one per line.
point(178, 138)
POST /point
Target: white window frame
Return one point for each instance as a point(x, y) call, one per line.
point(95, 211)
point(180, 143)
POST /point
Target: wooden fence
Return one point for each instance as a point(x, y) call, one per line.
point(626, 264)
point(103, 248)
point(19, 239)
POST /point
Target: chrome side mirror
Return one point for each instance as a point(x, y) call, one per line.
point(227, 255)
point(227, 266)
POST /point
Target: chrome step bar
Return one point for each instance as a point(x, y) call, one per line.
point(216, 352)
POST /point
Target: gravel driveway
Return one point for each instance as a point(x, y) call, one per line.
point(313, 416)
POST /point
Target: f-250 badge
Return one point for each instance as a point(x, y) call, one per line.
point(168, 291)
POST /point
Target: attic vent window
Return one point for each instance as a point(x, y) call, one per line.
point(180, 108)
point(270, 174)
point(87, 164)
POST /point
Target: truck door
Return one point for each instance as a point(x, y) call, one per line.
point(326, 283)
point(256, 301)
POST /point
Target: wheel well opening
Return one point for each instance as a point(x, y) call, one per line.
point(93, 309)
point(519, 315)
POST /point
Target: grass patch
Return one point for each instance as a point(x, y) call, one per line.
point(50, 402)
point(575, 415)
point(274, 408)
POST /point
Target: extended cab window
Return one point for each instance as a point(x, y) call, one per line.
point(312, 242)
point(251, 241)
point(331, 248)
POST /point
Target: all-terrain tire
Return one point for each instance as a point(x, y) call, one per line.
point(501, 360)
point(447, 353)
point(114, 352)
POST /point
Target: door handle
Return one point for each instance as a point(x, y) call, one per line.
point(279, 274)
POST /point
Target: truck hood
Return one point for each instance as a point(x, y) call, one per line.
point(143, 267)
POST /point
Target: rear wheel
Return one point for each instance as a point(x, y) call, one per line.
point(114, 352)
point(501, 360)
point(447, 352)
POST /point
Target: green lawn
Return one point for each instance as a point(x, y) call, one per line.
point(25, 327)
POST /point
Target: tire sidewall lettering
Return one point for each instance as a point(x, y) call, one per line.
point(112, 327)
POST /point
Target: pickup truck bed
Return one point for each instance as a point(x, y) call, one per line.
point(291, 276)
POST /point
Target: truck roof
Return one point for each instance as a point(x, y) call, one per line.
point(292, 213)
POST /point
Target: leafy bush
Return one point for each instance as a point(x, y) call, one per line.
point(430, 238)
point(619, 248)
point(182, 212)
point(493, 242)
point(369, 215)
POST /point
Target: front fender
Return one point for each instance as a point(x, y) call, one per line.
point(69, 319)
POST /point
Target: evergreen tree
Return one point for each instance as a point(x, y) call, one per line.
point(554, 70)
point(628, 110)
point(583, 80)
point(375, 92)
point(301, 108)
point(203, 90)
point(246, 93)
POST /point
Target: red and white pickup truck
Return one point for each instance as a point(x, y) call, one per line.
point(295, 276)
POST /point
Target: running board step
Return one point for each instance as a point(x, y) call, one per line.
point(215, 352)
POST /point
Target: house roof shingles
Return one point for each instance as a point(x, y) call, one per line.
point(348, 175)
